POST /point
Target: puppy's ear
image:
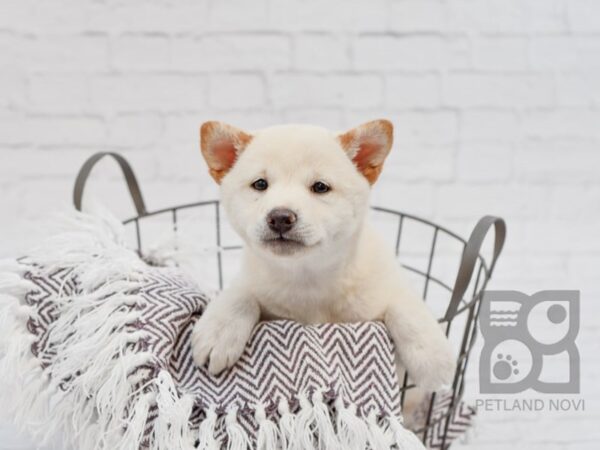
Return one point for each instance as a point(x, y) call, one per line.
point(221, 145)
point(368, 145)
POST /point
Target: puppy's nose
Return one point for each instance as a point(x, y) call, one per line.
point(281, 220)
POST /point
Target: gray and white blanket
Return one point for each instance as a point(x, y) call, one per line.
point(95, 348)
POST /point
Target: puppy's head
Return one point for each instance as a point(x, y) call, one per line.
point(295, 188)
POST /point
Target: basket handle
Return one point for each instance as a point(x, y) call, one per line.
point(470, 255)
point(132, 183)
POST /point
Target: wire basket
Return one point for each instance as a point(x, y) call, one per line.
point(459, 288)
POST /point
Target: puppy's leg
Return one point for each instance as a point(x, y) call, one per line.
point(421, 346)
point(416, 402)
point(222, 332)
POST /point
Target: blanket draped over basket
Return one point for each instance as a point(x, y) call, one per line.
point(95, 348)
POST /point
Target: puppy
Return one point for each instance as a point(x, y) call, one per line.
point(298, 196)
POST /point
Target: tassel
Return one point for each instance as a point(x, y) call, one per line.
point(377, 436)
point(136, 423)
point(304, 437)
point(268, 433)
point(352, 431)
point(237, 439)
point(287, 425)
point(326, 436)
point(171, 428)
point(404, 438)
point(206, 432)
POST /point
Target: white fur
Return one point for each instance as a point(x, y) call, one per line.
point(343, 273)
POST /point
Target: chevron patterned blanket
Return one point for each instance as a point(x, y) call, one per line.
point(97, 351)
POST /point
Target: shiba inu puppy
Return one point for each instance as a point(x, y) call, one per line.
point(298, 196)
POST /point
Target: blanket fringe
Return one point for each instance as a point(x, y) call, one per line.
point(171, 429)
point(304, 436)
point(323, 424)
point(378, 437)
point(207, 431)
point(404, 438)
point(268, 437)
point(237, 438)
point(317, 426)
point(100, 408)
point(22, 375)
point(353, 432)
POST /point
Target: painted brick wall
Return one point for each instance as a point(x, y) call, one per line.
point(496, 105)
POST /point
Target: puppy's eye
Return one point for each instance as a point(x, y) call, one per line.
point(260, 184)
point(320, 188)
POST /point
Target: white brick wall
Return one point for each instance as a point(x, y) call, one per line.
point(496, 105)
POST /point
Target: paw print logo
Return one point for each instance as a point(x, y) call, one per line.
point(520, 333)
point(505, 367)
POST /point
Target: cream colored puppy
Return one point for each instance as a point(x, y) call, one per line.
point(298, 196)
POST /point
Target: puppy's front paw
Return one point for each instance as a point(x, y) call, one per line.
point(431, 368)
point(219, 342)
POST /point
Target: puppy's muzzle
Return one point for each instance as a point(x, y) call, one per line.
point(281, 220)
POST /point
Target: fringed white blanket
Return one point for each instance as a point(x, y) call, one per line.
point(95, 349)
